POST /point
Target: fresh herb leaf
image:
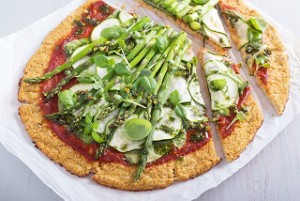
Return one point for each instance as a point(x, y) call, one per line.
point(122, 69)
point(146, 83)
point(102, 61)
point(145, 72)
point(180, 111)
point(97, 137)
point(137, 129)
point(88, 118)
point(175, 97)
point(258, 24)
point(67, 98)
point(112, 32)
point(161, 43)
point(253, 34)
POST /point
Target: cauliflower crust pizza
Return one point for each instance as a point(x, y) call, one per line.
point(112, 94)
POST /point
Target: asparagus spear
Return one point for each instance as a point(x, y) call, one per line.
point(85, 52)
point(163, 80)
point(104, 146)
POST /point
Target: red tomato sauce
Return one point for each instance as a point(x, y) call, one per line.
point(224, 121)
point(261, 73)
point(88, 150)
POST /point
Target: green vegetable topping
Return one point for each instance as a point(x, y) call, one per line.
point(217, 85)
point(102, 61)
point(161, 43)
point(67, 98)
point(122, 69)
point(175, 97)
point(71, 46)
point(146, 83)
point(137, 129)
point(200, 2)
point(112, 32)
point(180, 111)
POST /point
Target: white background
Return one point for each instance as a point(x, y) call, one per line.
point(273, 175)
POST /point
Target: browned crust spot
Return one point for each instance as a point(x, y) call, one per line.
point(108, 174)
point(244, 131)
point(277, 89)
point(182, 25)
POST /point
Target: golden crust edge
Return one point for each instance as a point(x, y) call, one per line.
point(276, 92)
point(47, 143)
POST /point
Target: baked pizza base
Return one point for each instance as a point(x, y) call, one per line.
point(277, 89)
point(182, 25)
point(244, 131)
point(109, 174)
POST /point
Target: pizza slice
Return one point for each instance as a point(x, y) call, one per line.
point(198, 18)
point(236, 113)
point(115, 95)
point(261, 49)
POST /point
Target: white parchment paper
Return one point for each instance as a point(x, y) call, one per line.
point(15, 51)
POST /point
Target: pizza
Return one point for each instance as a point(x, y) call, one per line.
point(261, 49)
point(116, 95)
point(199, 18)
point(236, 113)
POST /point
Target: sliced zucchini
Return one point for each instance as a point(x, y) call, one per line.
point(121, 143)
point(207, 55)
point(103, 25)
point(103, 123)
point(214, 28)
point(170, 121)
point(194, 113)
point(180, 84)
point(124, 16)
point(227, 96)
point(214, 66)
point(81, 87)
point(242, 30)
point(194, 90)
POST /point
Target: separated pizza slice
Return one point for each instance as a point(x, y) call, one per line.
point(237, 114)
point(261, 49)
point(198, 18)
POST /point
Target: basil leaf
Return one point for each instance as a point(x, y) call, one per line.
point(258, 24)
point(240, 116)
point(112, 32)
point(175, 97)
point(67, 98)
point(88, 118)
point(102, 61)
point(97, 137)
point(137, 129)
point(180, 111)
point(146, 83)
point(161, 43)
point(122, 69)
point(253, 35)
point(200, 2)
point(146, 72)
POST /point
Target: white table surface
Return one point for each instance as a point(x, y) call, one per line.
point(272, 175)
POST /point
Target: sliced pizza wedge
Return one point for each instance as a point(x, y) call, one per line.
point(198, 18)
point(261, 49)
point(116, 95)
point(235, 111)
